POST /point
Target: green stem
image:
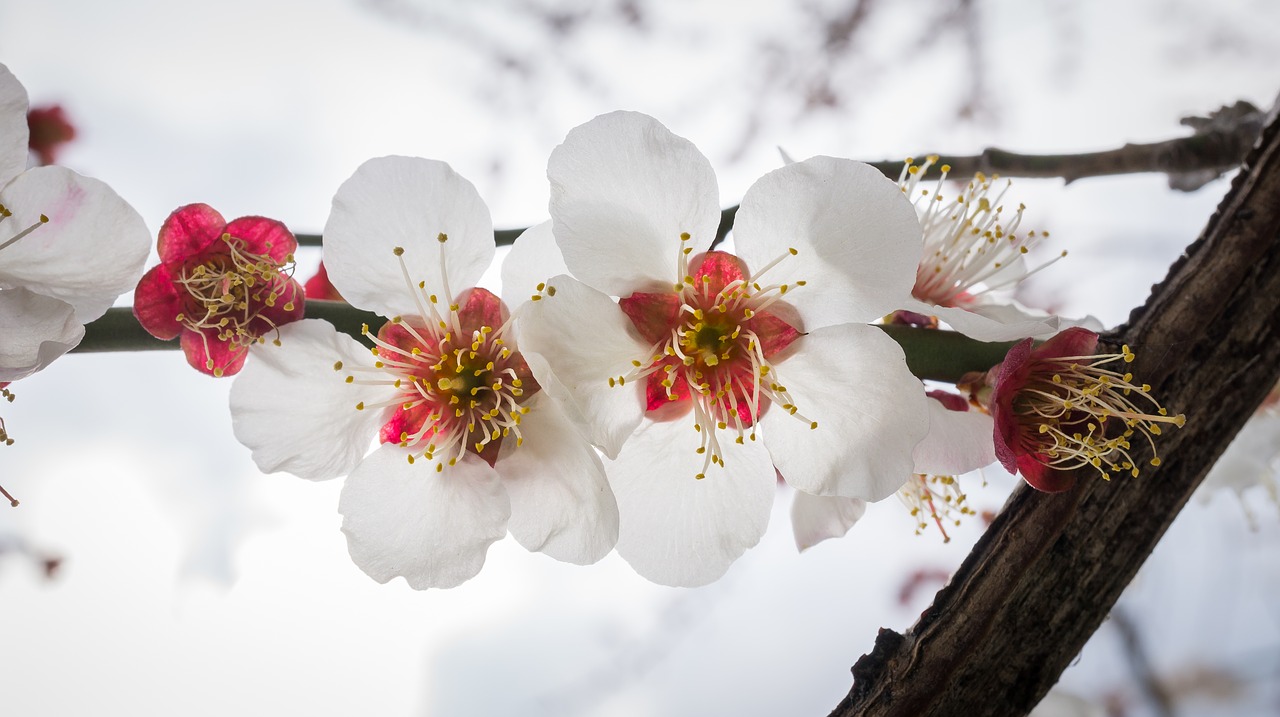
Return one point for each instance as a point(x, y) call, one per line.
point(931, 354)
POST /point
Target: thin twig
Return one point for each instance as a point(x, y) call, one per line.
point(1217, 146)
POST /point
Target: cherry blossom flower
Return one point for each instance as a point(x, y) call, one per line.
point(1252, 459)
point(470, 446)
point(959, 441)
point(1061, 406)
point(710, 370)
point(222, 286)
point(974, 256)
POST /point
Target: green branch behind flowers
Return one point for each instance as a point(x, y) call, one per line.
point(931, 353)
point(1217, 145)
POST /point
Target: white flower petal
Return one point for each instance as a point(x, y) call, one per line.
point(853, 381)
point(561, 503)
point(857, 238)
point(533, 259)
point(13, 126)
point(91, 250)
point(583, 339)
point(623, 189)
point(989, 322)
point(296, 413)
point(405, 202)
point(679, 530)
point(36, 329)
point(957, 442)
point(815, 518)
point(433, 528)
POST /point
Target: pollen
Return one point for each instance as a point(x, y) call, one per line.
point(936, 499)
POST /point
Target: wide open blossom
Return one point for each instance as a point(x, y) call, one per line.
point(974, 256)
point(469, 445)
point(1061, 406)
point(222, 286)
point(69, 246)
point(959, 441)
point(1252, 459)
point(711, 369)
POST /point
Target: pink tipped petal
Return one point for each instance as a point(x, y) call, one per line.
point(583, 339)
point(433, 529)
point(36, 330)
point(156, 303)
point(206, 354)
point(679, 530)
point(957, 442)
point(91, 250)
point(857, 238)
point(853, 381)
point(13, 126)
point(405, 202)
point(815, 518)
point(561, 504)
point(267, 237)
point(533, 259)
point(623, 190)
point(188, 231)
point(296, 413)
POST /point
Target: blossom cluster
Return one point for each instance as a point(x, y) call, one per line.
point(635, 387)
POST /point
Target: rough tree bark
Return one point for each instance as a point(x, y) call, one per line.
point(1049, 569)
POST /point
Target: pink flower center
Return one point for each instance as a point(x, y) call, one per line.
point(228, 291)
point(459, 386)
point(713, 340)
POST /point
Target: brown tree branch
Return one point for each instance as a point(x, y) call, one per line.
point(1047, 572)
point(1217, 146)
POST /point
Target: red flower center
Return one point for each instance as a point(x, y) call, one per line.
point(459, 386)
point(713, 340)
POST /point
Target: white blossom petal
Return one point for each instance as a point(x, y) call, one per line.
point(853, 381)
point(857, 238)
point(533, 259)
point(957, 442)
point(815, 518)
point(679, 530)
point(91, 250)
point(561, 503)
point(296, 413)
point(623, 189)
point(433, 528)
point(14, 134)
point(405, 202)
point(36, 329)
point(575, 342)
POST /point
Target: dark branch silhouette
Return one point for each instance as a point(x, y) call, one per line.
point(1046, 573)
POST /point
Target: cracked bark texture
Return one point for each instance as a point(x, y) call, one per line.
point(1047, 572)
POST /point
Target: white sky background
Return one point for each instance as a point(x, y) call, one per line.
point(195, 585)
